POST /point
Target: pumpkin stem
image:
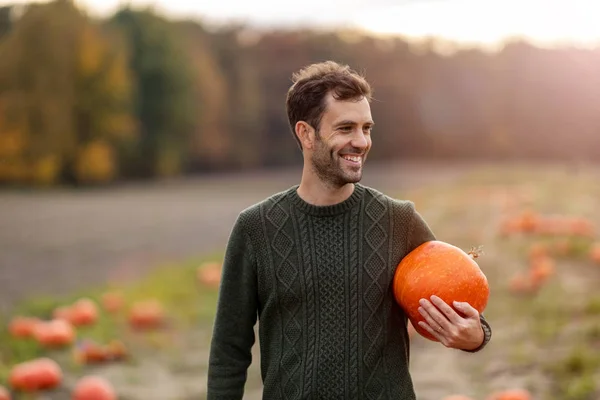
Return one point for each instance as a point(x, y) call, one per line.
point(476, 252)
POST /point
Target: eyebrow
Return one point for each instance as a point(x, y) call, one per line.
point(350, 122)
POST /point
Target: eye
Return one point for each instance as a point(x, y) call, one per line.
point(346, 128)
point(368, 128)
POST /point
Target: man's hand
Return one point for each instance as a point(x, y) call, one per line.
point(447, 326)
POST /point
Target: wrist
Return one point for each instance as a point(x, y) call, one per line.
point(487, 335)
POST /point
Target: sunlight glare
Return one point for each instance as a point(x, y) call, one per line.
point(488, 22)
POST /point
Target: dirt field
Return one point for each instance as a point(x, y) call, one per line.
point(60, 241)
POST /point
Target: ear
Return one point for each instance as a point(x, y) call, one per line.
point(306, 134)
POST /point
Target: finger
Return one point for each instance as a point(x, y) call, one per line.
point(431, 331)
point(432, 322)
point(468, 310)
point(435, 314)
point(446, 309)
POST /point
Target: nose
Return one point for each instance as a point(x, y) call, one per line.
point(360, 140)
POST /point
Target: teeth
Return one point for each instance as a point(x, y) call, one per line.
point(352, 158)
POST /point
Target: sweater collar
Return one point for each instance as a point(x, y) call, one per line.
point(329, 210)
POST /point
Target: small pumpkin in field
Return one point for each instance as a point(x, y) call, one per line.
point(35, 375)
point(91, 352)
point(93, 388)
point(209, 273)
point(511, 394)
point(595, 253)
point(55, 333)
point(112, 302)
point(4, 394)
point(83, 312)
point(147, 314)
point(541, 269)
point(23, 327)
point(441, 269)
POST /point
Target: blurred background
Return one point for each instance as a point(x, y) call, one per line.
point(132, 133)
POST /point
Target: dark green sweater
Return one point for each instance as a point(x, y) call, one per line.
point(319, 280)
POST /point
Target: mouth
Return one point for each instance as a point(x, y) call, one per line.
point(353, 159)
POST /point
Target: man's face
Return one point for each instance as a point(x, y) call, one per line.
point(342, 141)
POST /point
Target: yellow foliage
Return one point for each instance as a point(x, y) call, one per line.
point(95, 163)
point(12, 143)
point(91, 51)
point(45, 170)
point(118, 76)
point(13, 170)
point(119, 126)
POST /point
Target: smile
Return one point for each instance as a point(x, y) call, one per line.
point(354, 160)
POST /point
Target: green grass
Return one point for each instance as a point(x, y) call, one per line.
point(574, 375)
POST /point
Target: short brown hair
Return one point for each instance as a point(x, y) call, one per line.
point(306, 97)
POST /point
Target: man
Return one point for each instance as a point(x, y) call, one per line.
point(315, 263)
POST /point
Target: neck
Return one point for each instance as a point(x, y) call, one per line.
point(319, 193)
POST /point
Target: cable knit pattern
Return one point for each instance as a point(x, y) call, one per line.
point(318, 278)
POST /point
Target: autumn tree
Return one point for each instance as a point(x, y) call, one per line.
point(164, 102)
point(66, 90)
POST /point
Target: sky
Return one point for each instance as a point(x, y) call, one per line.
point(483, 22)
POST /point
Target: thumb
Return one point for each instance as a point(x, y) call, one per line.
point(468, 310)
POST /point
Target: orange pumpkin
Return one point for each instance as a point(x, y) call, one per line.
point(90, 352)
point(23, 327)
point(117, 350)
point(93, 388)
point(4, 395)
point(441, 269)
point(541, 269)
point(146, 314)
point(511, 394)
point(595, 253)
point(55, 333)
point(83, 312)
point(34, 375)
point(209, 274)
point(112, 302)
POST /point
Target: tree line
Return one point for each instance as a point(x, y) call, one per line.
point(139, 96)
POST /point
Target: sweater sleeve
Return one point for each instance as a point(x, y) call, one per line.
point(419, 233)
point(236, 314)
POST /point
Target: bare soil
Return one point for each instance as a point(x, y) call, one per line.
point(58, 241)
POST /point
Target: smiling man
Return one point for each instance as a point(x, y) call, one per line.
point(315, 263)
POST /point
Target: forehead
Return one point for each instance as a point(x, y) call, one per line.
point(358, 111)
